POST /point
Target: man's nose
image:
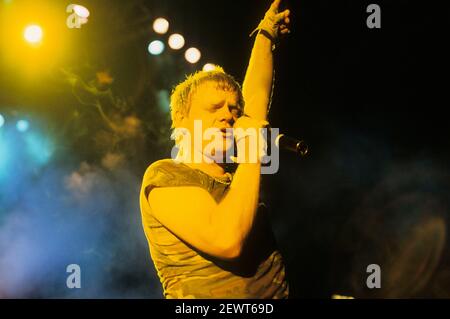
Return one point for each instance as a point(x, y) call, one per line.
point(225, 114)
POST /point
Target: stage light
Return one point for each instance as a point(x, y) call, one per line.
point(176, 41)
point(2, 120)
point(156, 47)
point(33, 34)
point(209, 67)
point(28, 25)
point(192, 55)
point(81, 11)
point(22, 125)
point(4, 157)
point(161, 25)
point(39, 147)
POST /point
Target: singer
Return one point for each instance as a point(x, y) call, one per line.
point(207, 231)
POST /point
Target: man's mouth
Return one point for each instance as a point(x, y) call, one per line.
point(227, 132)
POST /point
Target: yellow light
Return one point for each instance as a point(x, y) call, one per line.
point(36, 24)
point(161, 25)
point(192, 55)
point(81, 11)
point(33, 34)
point(176, 41)
point(209, 67)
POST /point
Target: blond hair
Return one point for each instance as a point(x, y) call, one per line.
point(180, 99)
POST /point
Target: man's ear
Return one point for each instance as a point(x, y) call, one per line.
point(178, 120)
point(182, 120)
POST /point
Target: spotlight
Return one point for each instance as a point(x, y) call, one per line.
point(22, 125)
point(5, 150)
point(156, 47)
point(81, 11)
point(2, 120)
point(209, 67)
point(176, 41)
point(161, 25)
point(192, 55)
point(33, 34)
point(39, 147)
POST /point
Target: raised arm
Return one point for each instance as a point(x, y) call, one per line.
point(257, 85)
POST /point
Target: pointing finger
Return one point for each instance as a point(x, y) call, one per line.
point(274, 6)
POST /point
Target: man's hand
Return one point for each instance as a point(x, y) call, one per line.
point(274, 22)
point(250, 142)
point(244, 122)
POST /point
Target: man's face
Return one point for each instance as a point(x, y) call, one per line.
point(216, 108)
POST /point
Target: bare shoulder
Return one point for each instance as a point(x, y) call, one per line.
point(161, 165)
point(171, 183)
point(167, 172)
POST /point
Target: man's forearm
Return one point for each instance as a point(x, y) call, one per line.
point(236, 212)
point(257, 85)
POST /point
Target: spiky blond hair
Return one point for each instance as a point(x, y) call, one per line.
point(180, 99)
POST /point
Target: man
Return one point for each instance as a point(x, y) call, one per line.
point(208, 234)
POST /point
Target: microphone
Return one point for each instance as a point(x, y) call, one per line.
point(288, 143)
point(292, 144)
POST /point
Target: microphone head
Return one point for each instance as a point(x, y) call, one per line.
point(302, 148)
point(291, 144)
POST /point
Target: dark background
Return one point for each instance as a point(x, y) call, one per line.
point(369, 102)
